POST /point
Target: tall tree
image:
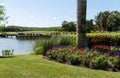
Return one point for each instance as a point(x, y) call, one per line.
point(101, 20)
point(81, 23)
point(68, 26)
point(113, 21)
point(89, 26)
point(3, 17)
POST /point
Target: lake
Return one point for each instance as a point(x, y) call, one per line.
point(19, 46)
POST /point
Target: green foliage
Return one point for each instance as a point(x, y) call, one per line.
point(65, 40)
point(89, 26)
point(3, 16)
point(59, 29)
point(41, 46)
point(62, 57)
point(38, 50)
point(113, 21)
point(75, 59)
point(111, 40)
point(46, 44)
point(68, 26)
point(108, 21)
point(71, 26)
point(7, 52)
point(89, 58)
point(13, 28)
point(99, 62)
point(51, 54)
point(113, 61)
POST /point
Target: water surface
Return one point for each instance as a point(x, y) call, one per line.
point(19, 46)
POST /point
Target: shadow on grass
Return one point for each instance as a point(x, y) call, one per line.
point(6, 56)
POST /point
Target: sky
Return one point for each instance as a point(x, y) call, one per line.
point(51, 13)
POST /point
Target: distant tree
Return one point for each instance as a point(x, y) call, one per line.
point(101, 20)
point(68, 26)
point(113, 21)
point(65, 25)
point(89, 26)
point(71, 26)
point(108, 21)
point(59, 29)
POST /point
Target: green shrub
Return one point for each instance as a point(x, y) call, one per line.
point(113, 62)
point(41, 46)
point(86, 59)
point(46, 44)
point(38, 50)
point(99, 62)
point(100, 39)
point(51, 54)
point(65, 40)
point(7, 52)
point(75, 59)
point(62, 57)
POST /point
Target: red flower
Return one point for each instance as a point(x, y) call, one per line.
point(50, 50)
point(105, 47)
point(95, 46)
point(74, 49)
point(90, 58)
point(119, 57)
point(82, 49)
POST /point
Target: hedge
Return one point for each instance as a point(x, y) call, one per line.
point(109, 40)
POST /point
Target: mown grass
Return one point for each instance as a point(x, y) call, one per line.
point(105, 33)
point(31, 66)
point(41, 32)
point(68, 33)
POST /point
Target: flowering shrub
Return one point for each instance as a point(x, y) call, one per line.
point(98, 57)
point(99, 62)
point(75, 59)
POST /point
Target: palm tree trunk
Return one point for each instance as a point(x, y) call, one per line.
point(81, 22)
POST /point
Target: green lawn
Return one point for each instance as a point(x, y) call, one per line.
point(42, 32)
point(105, 33)
point(31, 66)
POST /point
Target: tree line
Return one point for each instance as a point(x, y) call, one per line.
point(13, 28)
point(108, 21)
point(71, 26)
point(103, 21)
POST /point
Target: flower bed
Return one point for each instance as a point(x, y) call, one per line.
point(98, 57)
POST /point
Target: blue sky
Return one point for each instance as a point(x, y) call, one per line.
point(45, 13)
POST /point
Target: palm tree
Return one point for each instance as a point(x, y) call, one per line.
point(81, 22)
